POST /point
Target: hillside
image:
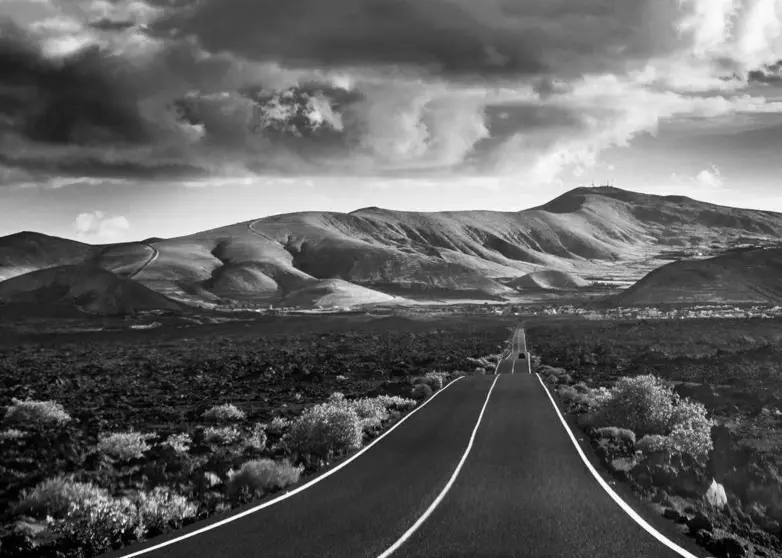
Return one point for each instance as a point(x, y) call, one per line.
point(90, 289)
point(742, 276)
point(549, 279)
point(595, 233)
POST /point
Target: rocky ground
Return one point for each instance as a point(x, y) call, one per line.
point(160, 387)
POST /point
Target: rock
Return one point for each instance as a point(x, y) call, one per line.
point(703, 537)
point(699, 521)
point(716, 496)
point(727, 547)
point(212, 479)
point(670, 513)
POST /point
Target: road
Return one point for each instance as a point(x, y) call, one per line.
point(513, 364)
point(152, 257)
point(484, 468)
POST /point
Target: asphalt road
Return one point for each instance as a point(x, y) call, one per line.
point(154, 253)
point(484, 469)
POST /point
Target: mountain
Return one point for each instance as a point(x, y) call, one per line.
point(741, 276)
point(91, 289)
point(599, 234)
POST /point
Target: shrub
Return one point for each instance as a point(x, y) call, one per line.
point(260, 476)
point(99, 524)
point(124, 445)
point(257, 438)
point(35, 413)
point(691, 431)
point(652, 443)
point(278, 425)
point(226, 412)
point(421, 391)
point(11, 434)
point(621, 435)
point(581, 387)
point(337, 396)
point(54, 497)
point(223, 435)
point(325, 430)
point(371, 412)
point(179, 442)
point(162, 507)
point(643, 404)
point(396, 403)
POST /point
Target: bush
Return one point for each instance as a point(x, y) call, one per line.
point(652, 443)
point(370, 411)
point(226, 412)
point(621, 435)
point(11, 434)
point(691, 431)
point(278, 425)
point(434, 380)
point(54, 497)
point(396, 403)
point(179, 442)
point(257, 438)
point(337, 396)
point(643, 404)
point(124, 445)
point(421, 391)
point(99, 524)
point(35, 414)
point(223, 435)
point(324, 431)
point(260, 476)
point(162, 507)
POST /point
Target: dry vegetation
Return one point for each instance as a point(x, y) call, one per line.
point(177, 430)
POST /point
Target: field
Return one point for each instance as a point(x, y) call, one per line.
point(160, 382)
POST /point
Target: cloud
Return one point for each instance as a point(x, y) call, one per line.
point(710, 177)
point(531, 89)
point(97, 226)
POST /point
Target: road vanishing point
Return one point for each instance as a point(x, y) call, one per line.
point(487, 467)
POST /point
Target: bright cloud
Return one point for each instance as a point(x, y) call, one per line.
point(711, 177)
point(97, 226)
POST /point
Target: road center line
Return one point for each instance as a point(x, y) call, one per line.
point(292, 492)
point(409, 533)
point(614, 496)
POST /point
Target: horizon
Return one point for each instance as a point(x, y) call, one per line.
point(127, 119)
point(75, 236)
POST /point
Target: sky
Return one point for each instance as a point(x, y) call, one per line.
point(127, 119)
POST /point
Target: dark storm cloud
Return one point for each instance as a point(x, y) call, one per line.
point(106, 24)
point(97, 168)
point(454, 37)
point(74, 101)
point(769, 74)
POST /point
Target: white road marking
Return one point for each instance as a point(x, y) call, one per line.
point(292, 492)
point(409, 533)
point(614, 496)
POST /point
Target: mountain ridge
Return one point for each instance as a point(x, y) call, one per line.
point(589, 232)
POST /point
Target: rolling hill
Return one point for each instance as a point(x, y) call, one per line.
point(595, 233)
point(548, 280)
point(738, 277)
point(91, 289)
